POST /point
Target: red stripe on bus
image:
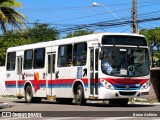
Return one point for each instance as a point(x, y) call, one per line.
point(56, 81)
point(126, 81)
point(12, 82)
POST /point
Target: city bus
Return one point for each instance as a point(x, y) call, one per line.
point(100, 66)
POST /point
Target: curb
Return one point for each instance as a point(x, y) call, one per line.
point(3, 105)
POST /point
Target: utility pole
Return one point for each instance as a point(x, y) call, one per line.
point(134, 17)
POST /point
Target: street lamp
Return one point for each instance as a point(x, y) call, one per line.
point(96, 4)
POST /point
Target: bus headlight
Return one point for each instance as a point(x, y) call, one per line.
point(146, 85)
point(106, 84)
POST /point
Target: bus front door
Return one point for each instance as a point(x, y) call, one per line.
point(51, 74)
point(94, 71)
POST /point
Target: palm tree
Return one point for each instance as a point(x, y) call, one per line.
point(10, 16)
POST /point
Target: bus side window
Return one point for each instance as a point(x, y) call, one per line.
point(28, 59)
point(80, 54)
point(39, 58)
point(11, 60)
point(65, 56)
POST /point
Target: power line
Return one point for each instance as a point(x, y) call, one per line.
point(100, 25)
point(93, 14)
point(108, 24)
point(65, 25)
point(82, 7)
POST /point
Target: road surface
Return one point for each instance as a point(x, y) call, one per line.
point(92, 110)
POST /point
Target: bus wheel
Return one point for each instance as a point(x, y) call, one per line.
point(79, 95)
point(28, 94)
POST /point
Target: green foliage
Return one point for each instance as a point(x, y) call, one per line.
point(78, 33)
point(38, 33)
point(11, 39)
point(42, 33)
point(10, 16)
point(153, 37)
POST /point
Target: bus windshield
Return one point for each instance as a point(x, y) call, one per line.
point(125, 61)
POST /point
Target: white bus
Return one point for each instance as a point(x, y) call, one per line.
point(104, 66)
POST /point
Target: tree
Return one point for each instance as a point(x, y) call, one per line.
point(39, 33)
point(8, 15)
point(11, 39)
point(42, 33)
point(78, 33)
point(153, 37)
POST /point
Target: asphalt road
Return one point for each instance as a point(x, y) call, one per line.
point(97, 111)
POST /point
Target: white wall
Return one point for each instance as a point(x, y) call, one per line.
point(2, 80)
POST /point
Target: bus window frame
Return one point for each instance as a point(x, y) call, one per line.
point(35, 60)
point(10, 61)
point(68, 62)
point(25, 60)
point(84, 55)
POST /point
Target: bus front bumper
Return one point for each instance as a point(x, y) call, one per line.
point(113, 94)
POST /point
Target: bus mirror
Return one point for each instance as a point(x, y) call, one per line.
point(101, 55)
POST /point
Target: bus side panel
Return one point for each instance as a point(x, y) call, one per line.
point(11, 83)
point(63, 84)
point(66, 78)
point(38, 80)
point(12, 77)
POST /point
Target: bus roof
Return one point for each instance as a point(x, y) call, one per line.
point(91, 37)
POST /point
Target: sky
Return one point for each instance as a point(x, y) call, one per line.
point(70, 13)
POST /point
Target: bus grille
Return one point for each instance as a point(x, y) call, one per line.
point(126, 87)
point(127, 93)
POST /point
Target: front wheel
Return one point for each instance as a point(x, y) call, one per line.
point(79, 95)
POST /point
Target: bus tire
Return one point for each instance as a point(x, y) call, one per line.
point(79, 96)
point(28, 94)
